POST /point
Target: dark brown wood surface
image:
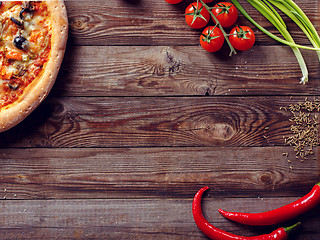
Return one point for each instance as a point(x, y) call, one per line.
point(141, 118)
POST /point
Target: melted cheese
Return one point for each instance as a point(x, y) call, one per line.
point(19, 67)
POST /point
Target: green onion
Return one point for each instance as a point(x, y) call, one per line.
point(297, 15)
point(265, 10)
point(275, 12)
point(243, 11)
point(293, 11)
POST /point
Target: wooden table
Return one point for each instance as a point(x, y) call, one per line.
point(141, 118)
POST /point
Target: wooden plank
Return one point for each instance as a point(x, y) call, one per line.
point(147, 23)
point(127, 137)
point(153, 173)
point(153, 122)
point(133, 219)
point(183, 71)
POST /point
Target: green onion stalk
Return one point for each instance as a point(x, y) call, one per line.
point(292, 10)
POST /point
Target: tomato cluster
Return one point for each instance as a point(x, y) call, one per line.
point(223, 15)
point(178, 1)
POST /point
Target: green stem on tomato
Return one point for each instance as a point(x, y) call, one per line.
point(232, 50)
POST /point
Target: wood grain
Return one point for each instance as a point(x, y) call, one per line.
point(120, 22)
point(153, 122)
point(140, 118)
point(153, 173)
point(183, 71)
point(132, 219)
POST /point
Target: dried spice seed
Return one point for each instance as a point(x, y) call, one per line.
point(304, 128)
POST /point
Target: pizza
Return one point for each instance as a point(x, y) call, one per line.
point(33, 36)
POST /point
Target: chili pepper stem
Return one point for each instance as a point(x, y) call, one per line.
point(291, 228)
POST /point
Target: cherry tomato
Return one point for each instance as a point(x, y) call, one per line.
point(207, 1)
point(196, 15)
point(212, 39)
point(242, 38)
point(226, 13)
point(173, 1)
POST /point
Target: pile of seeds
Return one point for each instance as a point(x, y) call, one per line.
point(304, 128)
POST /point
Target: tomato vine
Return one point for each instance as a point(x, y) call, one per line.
point(226, 36)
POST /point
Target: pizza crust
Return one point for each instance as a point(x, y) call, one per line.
point(38, 90)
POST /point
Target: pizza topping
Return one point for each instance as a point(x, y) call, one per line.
point(25, 44)
point(27, 11)
point(20, 24)
point(13, 86)
point(21, 43)
point(14, 55)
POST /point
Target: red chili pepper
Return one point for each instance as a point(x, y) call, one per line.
point(217, 234)
point(278, 215)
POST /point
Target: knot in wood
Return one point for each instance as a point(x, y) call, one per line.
point(212, 132)
point(266, 178)
point(78, 24)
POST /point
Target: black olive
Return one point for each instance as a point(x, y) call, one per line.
point(21, 43)
point(30, 5)
point(28, 9)
point(20, 24)
point(13, 86)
